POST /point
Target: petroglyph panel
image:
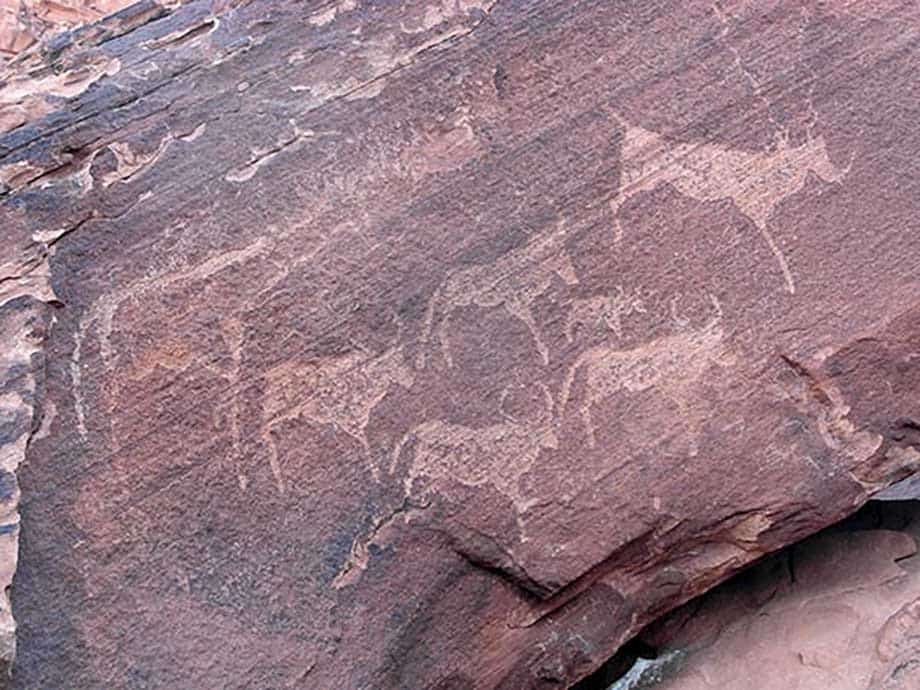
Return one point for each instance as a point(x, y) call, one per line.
point(347, 363)
point(756, 182)
point(513, 281)
point(671, 365)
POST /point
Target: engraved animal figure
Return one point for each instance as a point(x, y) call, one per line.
point(498, 454)
point(673, 365)
point(513, 281)
point(341, 391)
point(607, 310)
point(756, 182)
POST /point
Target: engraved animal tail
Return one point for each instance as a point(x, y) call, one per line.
point(428, 328)
point(567, 383)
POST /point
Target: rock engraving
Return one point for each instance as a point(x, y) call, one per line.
point(606, 311)
point(498, 454)
point(342, 391)
point(673, 365)
point(755, 182)
point(513, 281)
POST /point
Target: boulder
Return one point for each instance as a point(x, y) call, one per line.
point(840, 610)
point(442, 345)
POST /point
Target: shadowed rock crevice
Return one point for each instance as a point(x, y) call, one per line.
point(841, 607)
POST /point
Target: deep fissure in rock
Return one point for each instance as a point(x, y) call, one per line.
point(661, 655)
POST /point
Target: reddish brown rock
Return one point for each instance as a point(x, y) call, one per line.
point(445, 345)
point(841, 610)
point(23, 22)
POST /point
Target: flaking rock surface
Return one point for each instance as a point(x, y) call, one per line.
point(444, 344)
point(840, 610)
point(24, 22)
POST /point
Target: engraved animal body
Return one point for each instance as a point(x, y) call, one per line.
point(513, 281)
point(341, 391)
point(673, 365)
point(608, 310)
point(498, 454)
point(756, 182)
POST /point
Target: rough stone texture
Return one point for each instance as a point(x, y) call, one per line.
point(840, 610)
point(446, 344)
point(24, 22)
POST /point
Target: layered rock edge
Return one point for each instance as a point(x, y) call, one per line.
point(95, 137)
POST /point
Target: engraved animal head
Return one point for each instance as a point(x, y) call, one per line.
point(539, 423)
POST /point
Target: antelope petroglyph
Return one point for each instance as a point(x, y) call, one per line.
point(341, 391)
point(606, 310)
point(498, 454)
point(513, 281)
point(755, 181)
point(673, 365)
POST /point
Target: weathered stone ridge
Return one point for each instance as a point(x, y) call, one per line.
point(839, 610)
point(443, 344)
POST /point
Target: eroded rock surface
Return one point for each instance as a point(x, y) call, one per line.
point(446, 344)
point(24, 22)
point(840, 610)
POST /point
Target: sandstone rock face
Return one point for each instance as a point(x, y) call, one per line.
point(23, 22)
point(443, 344)
point(841, 610)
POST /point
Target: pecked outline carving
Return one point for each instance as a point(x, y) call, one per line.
point(672, 364)
point(755, 182)
point(498, 454)
point(513, 281)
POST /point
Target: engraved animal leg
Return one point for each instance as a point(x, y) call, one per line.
point(567, 384)
point(611, 316)
point(574, 318)
point(444, 338)
point(570, 326)
point(397, 452)
point(615, 205)
point(427, 327)
point(691, 424)
point(522, 311)
point(357, 432)
point(273, 457)
point(780, 257)
point(588, 420)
